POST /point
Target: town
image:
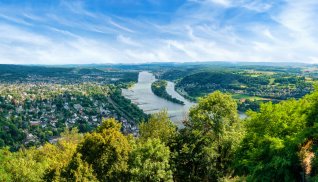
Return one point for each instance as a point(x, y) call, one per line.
point(32, 114)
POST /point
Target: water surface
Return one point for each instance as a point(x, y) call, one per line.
point(141, 95)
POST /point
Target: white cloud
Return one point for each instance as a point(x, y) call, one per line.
point(120, 26)
point(19, 46)
point(193, 33)
point(226, 3)
point(128, 41)
point(299, 15)
point(12, 35)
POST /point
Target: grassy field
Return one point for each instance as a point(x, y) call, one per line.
point(243, 96)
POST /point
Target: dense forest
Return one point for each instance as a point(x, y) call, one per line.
point(159, 88)
point(278, 143)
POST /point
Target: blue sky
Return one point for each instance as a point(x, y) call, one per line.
point(137, 31)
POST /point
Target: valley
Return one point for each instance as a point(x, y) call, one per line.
point(66, 115)
point(142, 95)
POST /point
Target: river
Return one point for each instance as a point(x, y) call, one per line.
point(141, 94)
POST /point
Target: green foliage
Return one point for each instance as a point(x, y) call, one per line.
point(5, 157)
point(159, 126)
point(214, 113)
point(249, 104)
point(33, 164)
point(204, 82)
point(270, 147)
point(108, 124)
point(107, 151)
point(159, 88)
point(312, 110)
point(31, 115)
point(125, 107)
point(207, 144)
point(309, 138)
point(272, 85)
point(78, 170)
point(278, 143)
point(22, 166)
point(149, 161)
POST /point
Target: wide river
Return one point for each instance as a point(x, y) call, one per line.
point(141, 95)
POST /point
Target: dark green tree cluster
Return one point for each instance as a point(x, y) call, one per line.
point(159, 88)
point(126, 108)
point(206, 146)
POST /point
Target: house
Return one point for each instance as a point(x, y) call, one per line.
point(66, 107)
point(35, 123)
point(78, 107)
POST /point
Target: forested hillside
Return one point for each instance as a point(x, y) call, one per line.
point(278, 143)
point(261, 85)
point(249, 85)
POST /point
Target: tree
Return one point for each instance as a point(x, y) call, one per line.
point(34, 164)
point(59, 155)
point(107, 151)
point(5, 158)
point(213, 113)
point(309, 136)
point(158, 126)
point(23, 166)
point(149, 161)
point(209, 140)
point(270, 148)
point(78, 170)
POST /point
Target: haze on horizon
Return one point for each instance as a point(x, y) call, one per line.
point(137, 31)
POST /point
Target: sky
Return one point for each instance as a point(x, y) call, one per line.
point(139, 31)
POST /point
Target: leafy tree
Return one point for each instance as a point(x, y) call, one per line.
point(309, 137)
point(270, 148)
point(149, 161)
point(107, 151)
point(207, 144)
point(59, 155)
point(34, 164)
point(5, 158)
point(23, 166)
point(158, 126)
point(78, 170)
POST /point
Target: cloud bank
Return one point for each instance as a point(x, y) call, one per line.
point(70, 32)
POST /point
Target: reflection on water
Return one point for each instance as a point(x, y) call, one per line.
point(142, 95)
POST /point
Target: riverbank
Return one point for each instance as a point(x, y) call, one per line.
point(159, 88)
point(142, 95)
